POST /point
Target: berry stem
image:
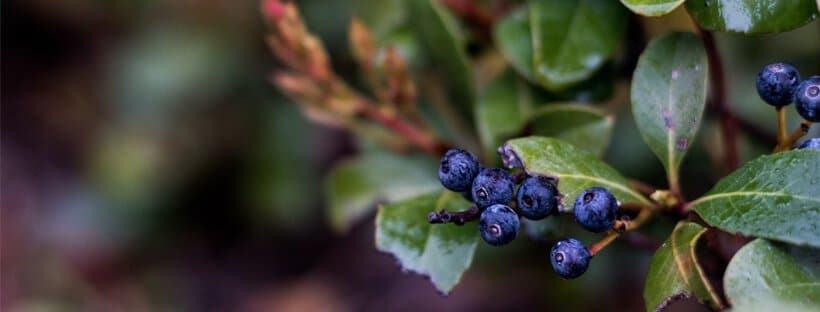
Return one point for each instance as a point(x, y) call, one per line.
point(728, 124)
point(457, 217)
point(781, 124)
point(639, 220)
point(798, 133)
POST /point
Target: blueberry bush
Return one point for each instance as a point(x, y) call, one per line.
point(518, 102)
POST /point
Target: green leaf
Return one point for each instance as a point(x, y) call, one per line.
point(767, 276)
point(752, 16)
point(355, 186)
point(443, 44)
point(675, 271)
point(668, 96)
point(571, 39)
point(774, 196)
point(514, 39)
point(575, 168)
point(502, 110)
point(440, 251)
point(652, 7)
point(585, 126)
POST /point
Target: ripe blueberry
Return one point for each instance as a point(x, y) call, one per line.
point(457, 170)
point(807, 99)
point(493, 186)
point(537, 198)
point(595, 209)
point(776, 83)
point(810, 143)
point(498, 225)
point(569, 258)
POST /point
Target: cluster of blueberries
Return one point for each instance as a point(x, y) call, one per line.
point(779, 85)
point(493, 190)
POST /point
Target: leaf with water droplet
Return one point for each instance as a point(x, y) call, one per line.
point(770, 197)
point(575, 168)
point(770, 276)
point(752, 17)
point(440, 251)
point(668, 96)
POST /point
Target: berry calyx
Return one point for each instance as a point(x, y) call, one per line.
point(498, 225)
point(457, 169)
point(537, 198)
point(569, 258)
point(776, 83)
point(807, 99)
point(493, 186)
point(596, 209)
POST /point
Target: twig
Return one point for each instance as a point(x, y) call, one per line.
point(423, 140)
point(642, 217)
point(457, 217)
point(798, 133)
point(728, 124)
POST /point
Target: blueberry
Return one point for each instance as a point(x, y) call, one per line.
point(595, 209)
point(457, 170)
point(569, 258)
point(537, 198)
point(498, 225)
point(468, 195)
point(776, 83)
point(807, 99)
point(810, 143)
point(493, 186)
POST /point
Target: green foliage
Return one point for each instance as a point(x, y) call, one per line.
point(575, 168)
point(444, 50)
point(668, 96)
point(768, 276)
point(587, 127)
point(354, 186)
point(652, 7)
point(572, 39)
point(752, 16)
point(773, 197)
point(675, 270)
point(441, 252)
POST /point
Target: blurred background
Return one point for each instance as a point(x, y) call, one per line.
point(148, 165)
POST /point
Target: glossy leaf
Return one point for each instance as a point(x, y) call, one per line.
point(675, 271)
point(355, 186)
point(652, 7)
point(584, 126)
point(774, 196)
point(440, 251)
point(502, 110)
point(572, 39)
point(767, 276)
point(752, 16)
point(575, 168)
point(514, 39)
point(668, 96)
point(444, 47)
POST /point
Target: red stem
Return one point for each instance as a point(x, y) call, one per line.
point(728, 124)
point(423, 140)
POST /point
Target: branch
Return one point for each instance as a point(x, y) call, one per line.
point(798, 133)
point(728, 124)
point(642, 217)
